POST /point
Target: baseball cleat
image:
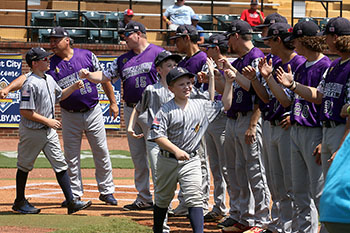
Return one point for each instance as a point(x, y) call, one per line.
point(139, 205)
point(76, 205)
point(228, 222)
point(24, 207)
point(212, 216)
point(108, 198)
point(65, 204)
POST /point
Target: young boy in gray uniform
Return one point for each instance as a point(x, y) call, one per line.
point(178, 128)
point(38, 131)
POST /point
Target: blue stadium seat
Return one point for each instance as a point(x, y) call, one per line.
point(79, 36)
point(43, 18)
point(113, 18)
point(67, 19)
point(206, 22)
point(257, 41)
point(323, 23)
point(94, 17)
point(43, 35)
point(105, 37)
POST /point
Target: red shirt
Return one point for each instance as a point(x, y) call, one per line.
point(252, 17)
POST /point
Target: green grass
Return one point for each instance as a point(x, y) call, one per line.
point(125, 163)
point(73, 223)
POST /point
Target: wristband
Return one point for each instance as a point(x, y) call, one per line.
point(348, 110)
point(294, 86)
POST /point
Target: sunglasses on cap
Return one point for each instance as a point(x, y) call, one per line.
point(127, 34)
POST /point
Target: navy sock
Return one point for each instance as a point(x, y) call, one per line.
point(196, 219)
point(158, 218)
point(64, 182)
point(21, 180)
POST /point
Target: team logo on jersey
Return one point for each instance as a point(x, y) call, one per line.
point(11, 99)
point(155, 124)
point(125, 60)
point(196, 128)
point(57, 70)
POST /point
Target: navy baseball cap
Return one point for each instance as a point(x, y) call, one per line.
point(338, 26)
point(216, 40)
point(278, 29)
point(134, 26)
point(305, 28)
point(184, 30)
point(35, 54)
point(165, 55)
point(176, 73)
point(59, 32)
point(239, 26)
point(271, 19)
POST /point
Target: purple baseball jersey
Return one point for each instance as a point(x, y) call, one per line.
point(65, 73)
point(304, 112)
point(195, 64)
point(264, 108)
point(276, 110)
point(334, 91)
point(243, 101)
point(137, 71)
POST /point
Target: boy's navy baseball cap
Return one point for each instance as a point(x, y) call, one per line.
point(176, 73)
point(59, 32)
point(216, 40)
point(134, 26)
point(35, 54)
point(184, 30)
point(239, 26)
point(271, 19)
point(165, 55)
point(305, 28)
point(278, 29)
point(338, 26)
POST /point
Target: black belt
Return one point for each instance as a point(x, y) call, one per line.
point(171, 155)
point(331, 124)
point(81, 110)
point(131, 105)
point(237, 114)
point(275, 122)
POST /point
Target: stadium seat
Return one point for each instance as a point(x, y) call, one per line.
point(79, 36)
point(43, 35)
point(43, 18)
point(224, 21)
point(206, 36)
point(67, 19)
point(113, 18)
point(206, 22)
point(94, 17)
point(323, 23)
point(105, 37)
point(308, 19)
point(257, 41)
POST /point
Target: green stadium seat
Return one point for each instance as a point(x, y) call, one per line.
point(224, 21)
point(67, 19)
point(323, 23)
point(105, 37)
point(112, 19)
point(308, 19)
point(257, 41)
point(95, 17)
point(78, 35)
point(43, 35)
point(206, 22)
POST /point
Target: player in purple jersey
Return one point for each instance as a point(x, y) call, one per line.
point(307, 176)
point(80, 113)
point(332, 92)
point(249, 200)
point(137, 70)
point(186, 39)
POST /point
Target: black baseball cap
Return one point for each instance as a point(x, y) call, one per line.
point(59, 32)
point(338, 26)
point(305, 28)
point(271, 19)
point(35, 54)
point(134, 26)
point(239, 26)
point(184, 30)
point(278, 29)
point(216, 40)
point(165, 55)
point(176, 73)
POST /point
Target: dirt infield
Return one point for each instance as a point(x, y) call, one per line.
point(44, 193)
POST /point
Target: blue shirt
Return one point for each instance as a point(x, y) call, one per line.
point(335, 200)
point(179, 15)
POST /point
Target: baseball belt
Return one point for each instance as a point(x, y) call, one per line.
point(330, 124)
point(171, 155)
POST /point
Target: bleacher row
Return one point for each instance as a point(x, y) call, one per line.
point(110, 20)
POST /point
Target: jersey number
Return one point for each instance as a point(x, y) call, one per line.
point(140, 82)
point(86, 89)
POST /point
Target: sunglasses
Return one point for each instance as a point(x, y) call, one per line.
point(44, 59)
point(127, 34)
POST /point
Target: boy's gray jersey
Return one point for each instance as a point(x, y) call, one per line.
point(156, 95)
point(40, 95)
point(184, 127)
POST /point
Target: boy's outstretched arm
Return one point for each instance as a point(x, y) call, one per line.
point(13, 86)
point(69, 90)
